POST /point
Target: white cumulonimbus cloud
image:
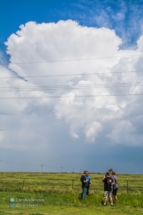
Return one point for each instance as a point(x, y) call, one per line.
point(80, 76)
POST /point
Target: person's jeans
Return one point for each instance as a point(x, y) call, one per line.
point(84, 190)
point(87, 192)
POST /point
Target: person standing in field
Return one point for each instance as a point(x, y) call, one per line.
point(84, 185)
point(108, 182)
point(115, 186)
point(88, 179)
point(110, 171)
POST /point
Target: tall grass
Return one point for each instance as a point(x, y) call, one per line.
point(62, 191)
point(29, 182)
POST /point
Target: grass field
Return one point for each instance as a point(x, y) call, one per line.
point(49, 193)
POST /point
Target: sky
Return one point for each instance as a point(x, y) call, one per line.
point(71, 86)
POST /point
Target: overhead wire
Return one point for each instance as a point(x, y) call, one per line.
point(68, 87)
point(64, 75)
point(28, 164)
point(68, 60)
point(78, 96)
point(59, 87)
point(9, 162)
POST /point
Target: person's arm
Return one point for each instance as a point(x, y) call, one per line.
point(103, 178)
point(90, 182)
point(113, 182)
point(84, 180)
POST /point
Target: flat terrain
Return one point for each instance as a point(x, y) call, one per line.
point(59, 194)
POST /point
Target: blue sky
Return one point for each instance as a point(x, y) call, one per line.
point(76, 133)
point(125, 17)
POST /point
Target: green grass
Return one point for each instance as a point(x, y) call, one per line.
point(84, 210)
point(63, 181)
point(61, 199)
point(69, 203)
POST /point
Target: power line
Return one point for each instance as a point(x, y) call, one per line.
point(60, 75)
point(82, 96)
point(66, 87)
point(68, 60)
point(80, 85)
point(9, 162)
point(28, 164)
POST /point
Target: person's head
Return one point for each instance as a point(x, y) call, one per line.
point(107, 174)
point(113, 173)
point(87, 173)
point(110, 170)
point(84, 172)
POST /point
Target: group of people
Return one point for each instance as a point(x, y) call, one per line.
point(110, 181)
point(110, 187)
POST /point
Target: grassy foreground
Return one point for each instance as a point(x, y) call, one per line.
point(58, 210)
point(59, 194)
point(58, 203)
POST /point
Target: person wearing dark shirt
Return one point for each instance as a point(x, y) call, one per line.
point(84, 185)
point(108, 183)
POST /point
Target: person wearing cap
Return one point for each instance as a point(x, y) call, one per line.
point(108, 183)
